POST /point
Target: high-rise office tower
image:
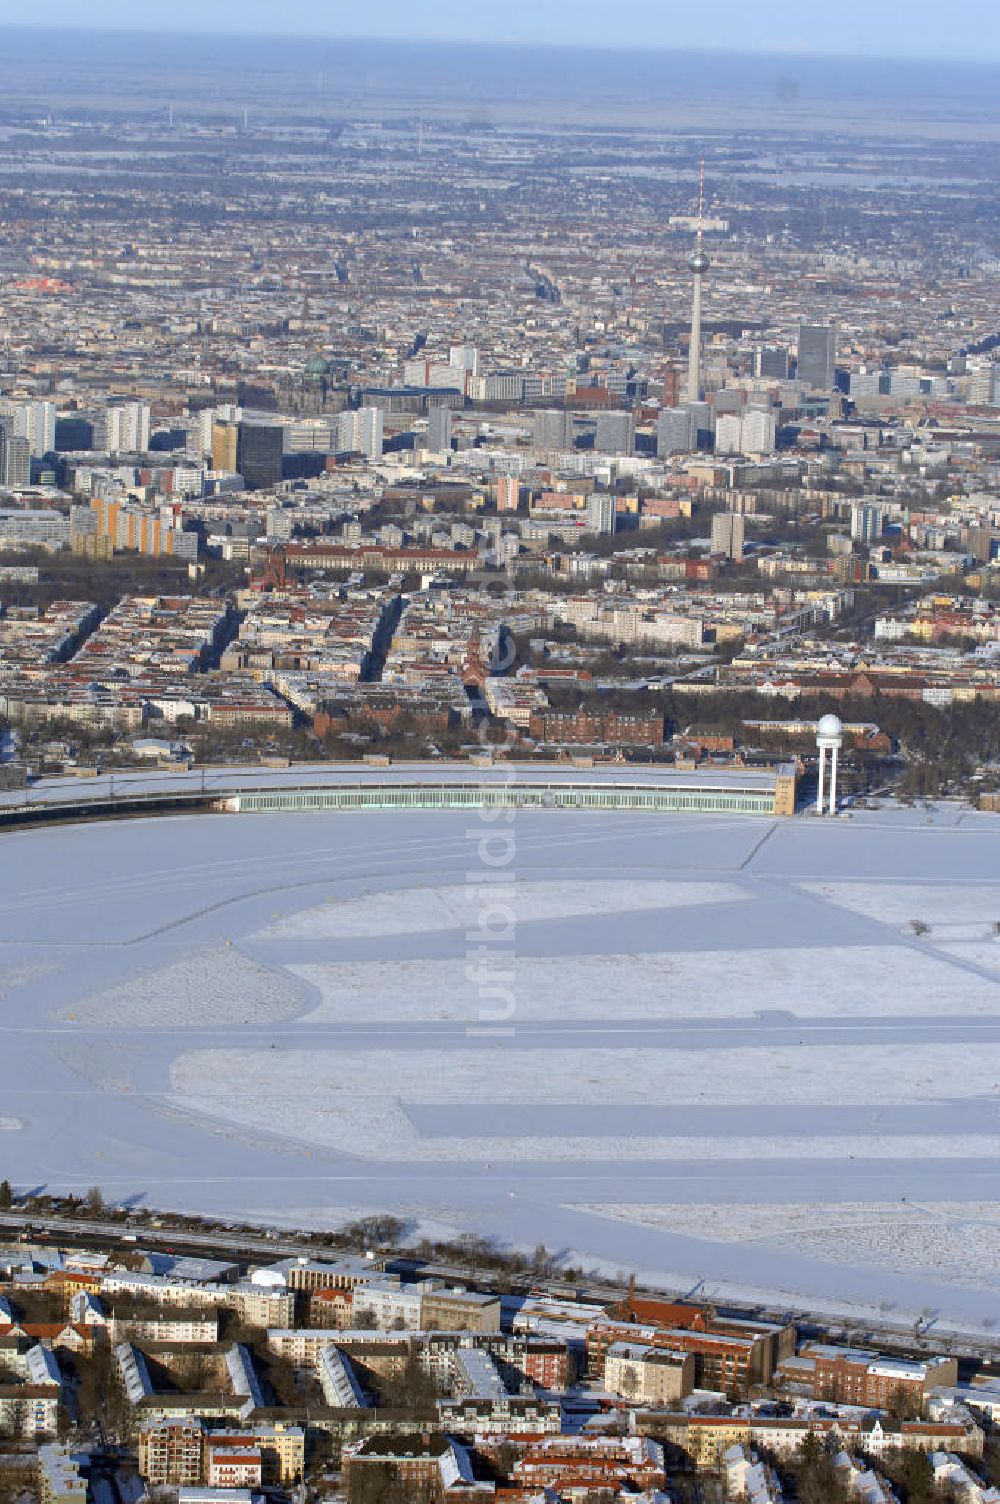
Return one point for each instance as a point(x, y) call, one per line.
point(74, 431)
point(465, 360)
point(224, 444)
point(671, 387)
point(675, 432)
point(615, 433)
point(259, 448)
point(439, 429)
point(772, 363)
point(15, 456)
point(553, 429)
point(728, 434)
point(699, 263)
point(817, 356)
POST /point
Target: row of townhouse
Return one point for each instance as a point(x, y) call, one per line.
point(61, 1478)
point(951, 1472)
point(389, 1306)
point(253, 1304)
point(546, 1362)
point(706, 1438)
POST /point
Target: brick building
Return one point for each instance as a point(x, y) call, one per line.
point(609, 727)
point(730, 1356)
point(427, 1467)
point(853, 1376)
point(590, 1464)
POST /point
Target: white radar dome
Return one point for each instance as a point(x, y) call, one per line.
point(830, 725)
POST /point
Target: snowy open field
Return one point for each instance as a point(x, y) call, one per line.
point(702, 1048)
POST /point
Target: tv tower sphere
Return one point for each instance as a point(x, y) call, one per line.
point(699, 262)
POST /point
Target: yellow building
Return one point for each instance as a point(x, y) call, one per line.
point(785, 785)
point(704, 1437)
point(224, 439)
point(282, 1451)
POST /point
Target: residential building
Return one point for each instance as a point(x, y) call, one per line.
point(361, 432)
point(36, 422)
point(450, 1310)
point(600, 513)
point(170, 1452)
point(728, 534)
point(508, 493)
point(648, 1375)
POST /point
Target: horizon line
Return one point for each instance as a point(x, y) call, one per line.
point(776, 52)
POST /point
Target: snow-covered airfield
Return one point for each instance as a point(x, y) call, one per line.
point(730, 1055)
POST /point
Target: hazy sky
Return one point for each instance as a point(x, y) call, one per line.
point(885, 28)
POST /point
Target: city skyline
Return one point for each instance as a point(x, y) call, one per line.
point(499, 750)
point(893, 32)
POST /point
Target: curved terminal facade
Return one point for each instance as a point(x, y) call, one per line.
point(766, 795)
point(509, 786)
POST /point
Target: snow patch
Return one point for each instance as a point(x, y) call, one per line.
point(973, 908)
point(959, 1241)
point(217, 986)
point(356, 1099)
point(896, 981)
point(416, 911)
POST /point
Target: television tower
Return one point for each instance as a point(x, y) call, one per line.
point(699, 264)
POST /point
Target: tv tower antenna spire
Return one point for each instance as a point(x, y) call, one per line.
point(699, 264)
